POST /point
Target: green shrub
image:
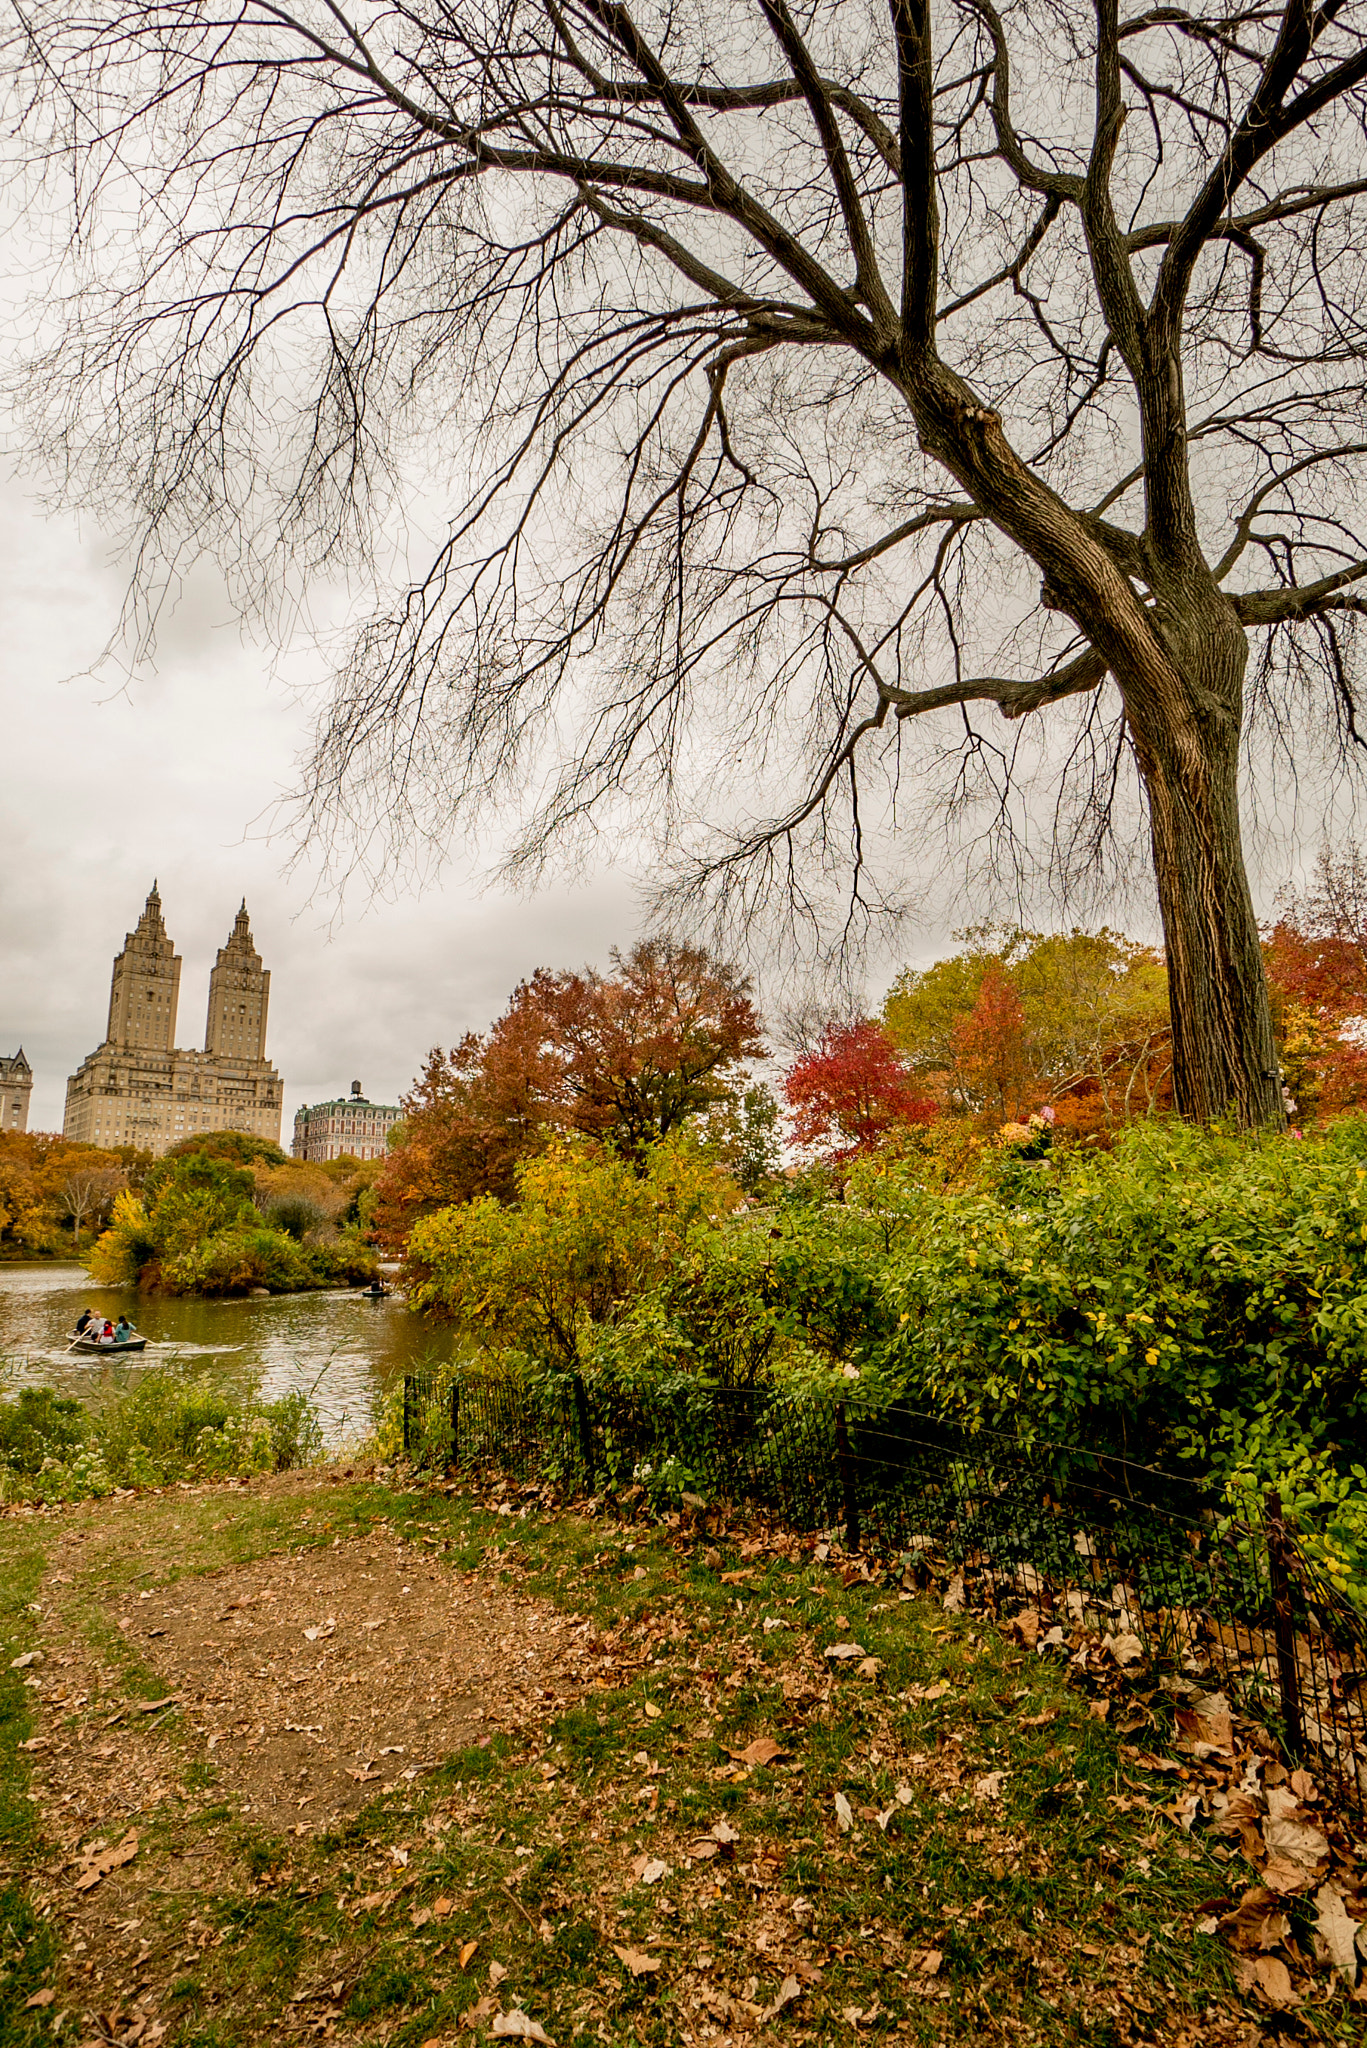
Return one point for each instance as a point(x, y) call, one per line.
point(37, 1426)
point(167, 1425)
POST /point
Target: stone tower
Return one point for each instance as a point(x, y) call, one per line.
point(146, 986)
point(16, 1085)
point(239, 995)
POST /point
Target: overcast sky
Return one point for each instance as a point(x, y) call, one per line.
point(103, 790)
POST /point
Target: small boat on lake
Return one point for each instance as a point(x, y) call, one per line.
point(106, 1347)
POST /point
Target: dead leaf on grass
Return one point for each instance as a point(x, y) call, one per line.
point(1257, 1922)
point(29, 1657)
point(927, 1961)
point(956, 1599)
point(869, 1667)
point(172, 1699)
point(649, 1869)
point(1274, 1981)
point(763, 1750)
point(321, 1630)
point(724, 1833)
point(39, 1999)
point(839, 1652)
point(989, 1786)
point(515, 2026)
point(1210, 1733)
point(652, 1711)
point(467, 1949)
point(788, 1990)
point(1297, 1843)
point(703, 1851)
point(1336, 1933)
point(844, 1813)
point(638, 1964)
point(97, 1863)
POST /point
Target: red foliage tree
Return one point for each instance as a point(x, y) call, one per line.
point(851, 1089)
point(1316, 958)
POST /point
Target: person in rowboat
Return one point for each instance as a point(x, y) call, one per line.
point(123, 1330)
point(84, 1320)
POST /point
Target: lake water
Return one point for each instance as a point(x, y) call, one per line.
point(337, 1346)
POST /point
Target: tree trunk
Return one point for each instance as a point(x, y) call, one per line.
point(1224, 1055)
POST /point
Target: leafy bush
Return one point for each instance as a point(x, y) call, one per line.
point(588, 1233)
point(37, 1426)
point(295, 1215)
point(196, 1230)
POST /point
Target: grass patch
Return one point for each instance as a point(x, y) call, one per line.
point(994, 1820)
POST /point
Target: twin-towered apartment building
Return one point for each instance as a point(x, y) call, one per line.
point(139, 1088)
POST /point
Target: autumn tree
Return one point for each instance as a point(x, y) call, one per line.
point(850, 1090)
point(626, 1057)
point(1316, 956)
point(1076, 1016)
point(804, 375)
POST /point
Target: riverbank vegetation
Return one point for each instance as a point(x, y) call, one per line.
point(165, 1426)
point(55, 1196)
point(202, 1223)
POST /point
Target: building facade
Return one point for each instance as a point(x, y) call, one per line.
point(16, 1086)
point(139, 1087)
point(348, 1127)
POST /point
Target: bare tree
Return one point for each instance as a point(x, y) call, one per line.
point(90, 1191)
point(808, 374)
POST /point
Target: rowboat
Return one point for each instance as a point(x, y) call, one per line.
point(84, 1343)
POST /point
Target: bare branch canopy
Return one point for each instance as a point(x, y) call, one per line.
point(782, 380)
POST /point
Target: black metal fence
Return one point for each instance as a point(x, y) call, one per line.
point(1081, 1538)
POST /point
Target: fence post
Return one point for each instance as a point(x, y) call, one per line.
point(455, 1422)
point(407, 1414)
point(847, 1485)
point(1283, 1621)
point(582, 1416)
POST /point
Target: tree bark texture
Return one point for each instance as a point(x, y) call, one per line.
point(1224, 1054)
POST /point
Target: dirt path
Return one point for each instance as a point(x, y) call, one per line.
point(289, 1691)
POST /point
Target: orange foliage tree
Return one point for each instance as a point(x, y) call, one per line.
point(625, 1057)
point(1316, 956)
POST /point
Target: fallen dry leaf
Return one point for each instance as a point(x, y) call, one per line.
point(956, 1599)
point(869, 1667)
point(788, 1990)
point(1208, 1733)
point(653, 1712)
point(989, 1786)
point(704, 1850)
point(927, 1962)
point(39, 1999)
point(443, 1908)
point(763, 1750)
point(1297, 1843)
point(515, 2026)
point(649, 1869)
point(97, 1863)
point(29, 1657)
point(724, 1833)
point(1336, 1932)
point(467, 1949)
point(840, 1651)
point(1257, 1922)
point(844, 1813)
point(1274, 1981)
point(172, 1699)
point(638, 1964)
point(1126, 1649)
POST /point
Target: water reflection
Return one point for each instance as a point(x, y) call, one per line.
point(338, 1346)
